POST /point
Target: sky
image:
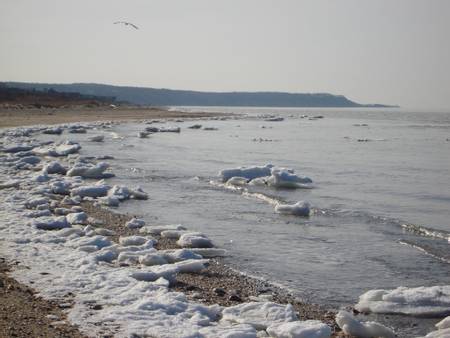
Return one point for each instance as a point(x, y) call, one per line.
point(372, 51)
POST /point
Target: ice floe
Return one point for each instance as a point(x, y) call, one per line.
point(431, 301)
point(246, 172)
point(300, 208)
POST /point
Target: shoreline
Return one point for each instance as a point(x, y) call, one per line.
point(217, 284)
point(10, 118)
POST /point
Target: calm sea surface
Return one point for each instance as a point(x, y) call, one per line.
point(381, 195)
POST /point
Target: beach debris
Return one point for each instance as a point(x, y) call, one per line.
point(353, 327)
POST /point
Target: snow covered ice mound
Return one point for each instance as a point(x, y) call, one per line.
point(259, 315)
point(300, 329)
point(194, 240)
point(56, 150)
point(351, 326)
point(422, 301)
point(89, 170)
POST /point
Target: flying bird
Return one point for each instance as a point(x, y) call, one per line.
point(126, 24)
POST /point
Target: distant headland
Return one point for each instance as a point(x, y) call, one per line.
point(170, 97)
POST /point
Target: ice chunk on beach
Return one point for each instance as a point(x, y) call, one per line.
point(419, 301)
point(89, 170)
point(62, 149)
point(192, 265)
point(351, 326)
point(77, 218)
point(34, 202)
point(248, 173)
point(300, 329)
point(228, 331)
point(55, 167)
point(132, 240)
point(110, 201)
point(194, 240)
point(300, 208)
point(178, 255)
point(98, 190)
point(172, 234)
point(168, 272)
point(135, 223)
point(61, 187)
point(158, 229)
point(152, 259)
point(259, 315)
point(51, 223)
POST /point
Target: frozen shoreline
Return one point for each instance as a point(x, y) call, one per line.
point(48, 240)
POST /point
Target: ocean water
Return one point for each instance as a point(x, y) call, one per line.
point(381, 195)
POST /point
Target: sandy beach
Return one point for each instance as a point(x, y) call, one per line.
point(49, 116)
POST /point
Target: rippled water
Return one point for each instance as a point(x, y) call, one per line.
point(381, 204)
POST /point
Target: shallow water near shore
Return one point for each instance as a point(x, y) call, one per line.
point(380, 197)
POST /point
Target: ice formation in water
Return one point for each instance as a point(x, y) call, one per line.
point(300, 208)
point(419, 301)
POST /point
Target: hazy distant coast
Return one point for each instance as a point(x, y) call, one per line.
point(169, 97)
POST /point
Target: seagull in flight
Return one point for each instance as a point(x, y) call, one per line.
point(126, 24)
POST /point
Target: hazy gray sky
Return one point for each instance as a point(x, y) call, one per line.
point(384, 51)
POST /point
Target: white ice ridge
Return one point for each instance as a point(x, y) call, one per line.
point(431, 301)
point(353, 327)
